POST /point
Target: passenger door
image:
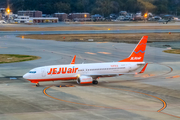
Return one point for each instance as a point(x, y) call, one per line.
point(43, 72)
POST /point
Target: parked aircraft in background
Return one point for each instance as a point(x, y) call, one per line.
point(164, 21)
point(89, 73)
point(2, 22)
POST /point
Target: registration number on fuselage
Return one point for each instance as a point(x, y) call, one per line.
point(114, 65)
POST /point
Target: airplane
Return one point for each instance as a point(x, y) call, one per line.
point(164, 21)
point(2, 22)
point(89, 73)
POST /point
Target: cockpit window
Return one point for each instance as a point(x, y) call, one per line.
point(32, 72)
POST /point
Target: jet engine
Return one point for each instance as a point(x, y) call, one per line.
point(84, 80)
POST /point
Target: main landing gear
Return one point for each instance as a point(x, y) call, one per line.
point(95, 82)
point(37, 84)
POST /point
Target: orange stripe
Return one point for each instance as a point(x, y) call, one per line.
point(170, 114)
point(86, 82)
point(51, 79)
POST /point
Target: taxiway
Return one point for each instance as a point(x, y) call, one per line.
point(154, 95)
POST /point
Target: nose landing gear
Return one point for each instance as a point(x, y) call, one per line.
point(37, 84)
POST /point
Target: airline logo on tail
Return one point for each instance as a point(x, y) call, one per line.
point(135, 58)
point(138, 53)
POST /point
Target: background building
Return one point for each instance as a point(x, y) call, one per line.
point(61, 16)
point(44, 20)
point(27, 19)
point(0, 16)
point(2, 10)
point(97, 17)
point(79, 16)
point(30, 13)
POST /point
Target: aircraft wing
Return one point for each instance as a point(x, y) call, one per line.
point(94, 76)
point(113, 75)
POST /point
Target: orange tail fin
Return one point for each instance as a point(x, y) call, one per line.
point(138, 54)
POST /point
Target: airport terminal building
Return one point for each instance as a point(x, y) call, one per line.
point(27, 19)
point(30, 13)
point(61, 16)
point(79, 16)
point(33, 16)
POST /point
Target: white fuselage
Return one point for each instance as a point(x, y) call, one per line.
point(71, 71)
point(88, 73)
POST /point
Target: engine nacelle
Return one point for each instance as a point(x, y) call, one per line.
point(84, 80)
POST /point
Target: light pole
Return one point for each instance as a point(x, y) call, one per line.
point(8, 11)
point(145, 17)
point(85, 18)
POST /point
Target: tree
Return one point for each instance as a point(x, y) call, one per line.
point(17, 5)
point(114, 7)
point(161, 6)
point(132, 6)
point(106, 7)
point(47, 8)
point(62, 7)
point(103, 7)
point(146, 6)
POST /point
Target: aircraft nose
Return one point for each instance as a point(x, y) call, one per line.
point(26, 76)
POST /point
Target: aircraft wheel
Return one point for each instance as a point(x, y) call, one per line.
point(37, 84)
point(95, 82)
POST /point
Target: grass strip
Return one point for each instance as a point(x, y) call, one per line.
point(11, 58)
point(124, 37)
point(173, 51)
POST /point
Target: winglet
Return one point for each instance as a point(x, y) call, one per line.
point(73, 60)
point(144, 68)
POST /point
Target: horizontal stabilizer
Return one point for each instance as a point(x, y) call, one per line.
point(144, 68)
